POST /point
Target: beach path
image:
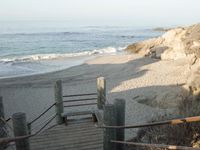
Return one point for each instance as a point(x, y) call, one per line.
point(77, 135)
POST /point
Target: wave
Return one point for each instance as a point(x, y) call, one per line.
point(53, 56)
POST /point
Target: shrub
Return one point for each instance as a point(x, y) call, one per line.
point(187, 134)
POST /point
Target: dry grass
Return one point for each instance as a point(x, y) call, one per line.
point(183, 135)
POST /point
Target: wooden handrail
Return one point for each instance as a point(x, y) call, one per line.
point(170, 147)
point(42, 114)
point(171, 122)
point(13, 139)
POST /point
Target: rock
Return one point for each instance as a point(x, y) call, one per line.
point(175, 44)
point(144, 47)
point(170, 54)
point(159, 50)
point(194, 83)
point(160, 29)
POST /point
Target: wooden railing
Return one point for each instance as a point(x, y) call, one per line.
point(112, 121)
point(114, 126)
point(22, 129)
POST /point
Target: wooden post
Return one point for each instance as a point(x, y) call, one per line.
point(20, 129)
point(101, 92)
point(59, 101)
point(3, 132)
point(29, 128)
point(120, 112)
point(2, 124)
point(1, 107)
point(109, 119)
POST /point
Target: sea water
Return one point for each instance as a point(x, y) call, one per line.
point(35, 48)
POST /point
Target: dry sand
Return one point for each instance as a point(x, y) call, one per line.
point(127, 75)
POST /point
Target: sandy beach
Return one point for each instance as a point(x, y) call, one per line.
point(67, 67)
point(128, 76)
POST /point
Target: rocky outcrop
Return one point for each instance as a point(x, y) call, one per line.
point(160, 29)
point(181, 44)
point(174, 44)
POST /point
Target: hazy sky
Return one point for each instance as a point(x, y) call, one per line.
point(104, 12)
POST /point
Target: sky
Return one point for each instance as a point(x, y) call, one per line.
point(103, 12)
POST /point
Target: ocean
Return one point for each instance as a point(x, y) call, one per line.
point(27, 49)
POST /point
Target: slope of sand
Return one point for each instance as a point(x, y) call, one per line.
point(149, 86)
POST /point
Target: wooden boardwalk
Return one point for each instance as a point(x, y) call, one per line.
point(77, 135)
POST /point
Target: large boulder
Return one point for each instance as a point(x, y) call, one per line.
point(174, 44)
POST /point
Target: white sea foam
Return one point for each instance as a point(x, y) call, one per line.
point(38, 57)
point(43, 63)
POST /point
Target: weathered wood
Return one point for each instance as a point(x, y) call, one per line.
point(1, 107)
point(101, 92)
point(29, 128)
point(171, 122)
point(120, 110)
point(20, 129)
point(76, 136)
point(94, 118)
point(76, 105)
point(2, 124)
point(77, 113)
point(156, 146)
point(78, 95)
point(80, 100)
point(3, 133)
point(109, 119)
point(59, 101)
point(99, 116)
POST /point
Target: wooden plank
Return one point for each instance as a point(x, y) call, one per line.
point(79, 113)
point(62, 140)
point(78, 105)
point(99, 116)
point(77, 136)
point(80, 100)
point(65, 135)
point(77, 95)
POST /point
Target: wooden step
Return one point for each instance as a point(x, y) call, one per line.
point(79, 113)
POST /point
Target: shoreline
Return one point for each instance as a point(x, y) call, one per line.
point(127, 76)
point(72, 62)
point(76, 61)
point(85, 60)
